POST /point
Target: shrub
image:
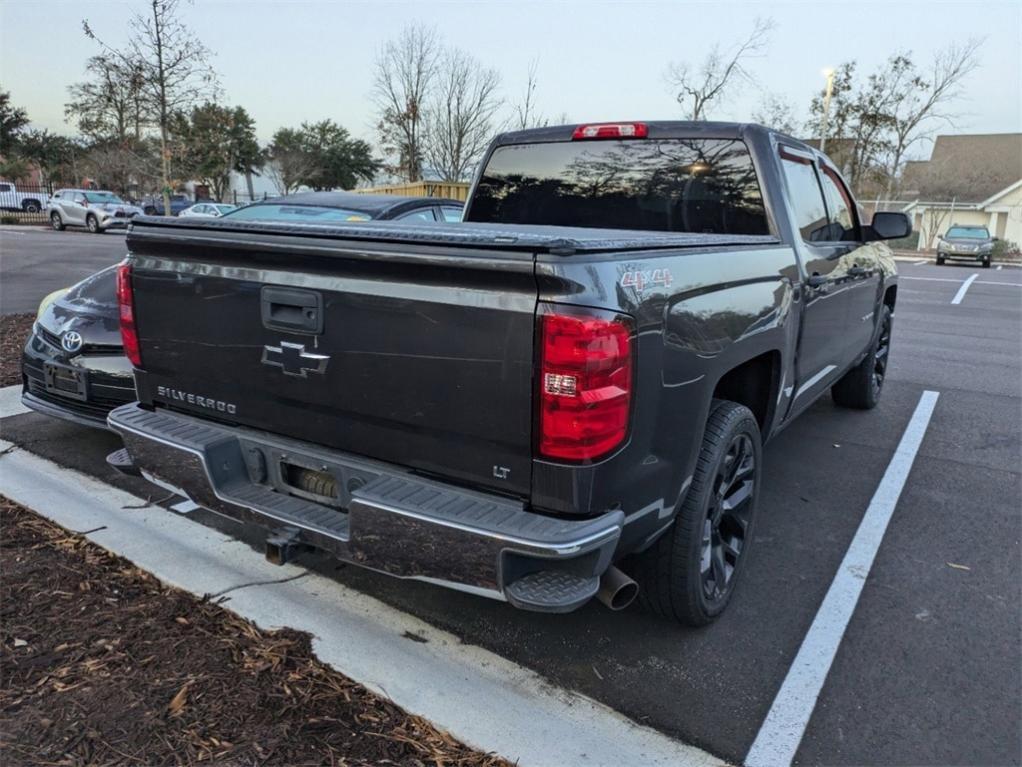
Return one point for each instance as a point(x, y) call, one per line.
point(7, 218)
point(1005, 249)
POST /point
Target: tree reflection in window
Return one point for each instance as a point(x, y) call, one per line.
point(695, 185)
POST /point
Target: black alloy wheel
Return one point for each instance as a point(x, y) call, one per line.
point(880, 354)
point(727, 520)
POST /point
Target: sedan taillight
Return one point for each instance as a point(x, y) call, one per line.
point(585, 382)
point(126, 302)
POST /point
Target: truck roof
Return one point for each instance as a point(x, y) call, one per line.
point(557, 240)
point(658, 129)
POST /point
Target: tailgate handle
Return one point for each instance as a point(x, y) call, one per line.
point(292, 310)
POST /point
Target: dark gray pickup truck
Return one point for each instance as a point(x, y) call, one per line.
point(563, 397)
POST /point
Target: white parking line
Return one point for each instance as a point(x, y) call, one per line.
point(961, 291)
point(947, 279)
point(779, 737)
point(921, 261)
point(482, 698)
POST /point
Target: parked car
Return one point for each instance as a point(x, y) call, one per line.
point(331, 207)
point(26, 202)
point(966, 243)
point(153, 205)
point(208, 210)
point(96, 210)
point(573, 385)
point(73, 365)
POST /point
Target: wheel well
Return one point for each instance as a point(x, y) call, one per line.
point(753, 384)
point(890, 296)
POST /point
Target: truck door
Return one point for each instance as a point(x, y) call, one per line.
point(863, 269)
point(825, 291)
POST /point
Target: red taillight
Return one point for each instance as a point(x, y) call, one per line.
point(126, 302)
point(610, 130)
point(585, 383)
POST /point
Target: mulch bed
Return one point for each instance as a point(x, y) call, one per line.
point(14, 331)
point(104, 665)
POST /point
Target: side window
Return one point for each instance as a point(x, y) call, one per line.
point(5, 187)
point(425, 214)
point(839, 206)
point(806, 199)
point(451, 215)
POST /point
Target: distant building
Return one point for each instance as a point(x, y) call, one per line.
point(971, 179)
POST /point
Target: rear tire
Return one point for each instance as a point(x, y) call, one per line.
point(861, 386)
point(940, 260)
point(689, 573)
point(56, 222)
point(31, 206)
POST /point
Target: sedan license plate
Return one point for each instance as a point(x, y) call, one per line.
point(66, 381)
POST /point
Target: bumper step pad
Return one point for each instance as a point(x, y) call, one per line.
point(552, 591)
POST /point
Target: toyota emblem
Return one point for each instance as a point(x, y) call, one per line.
point(71, 341)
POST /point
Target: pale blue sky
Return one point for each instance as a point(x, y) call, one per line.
point(292, 61)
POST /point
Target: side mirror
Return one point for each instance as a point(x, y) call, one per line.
point(890, 226)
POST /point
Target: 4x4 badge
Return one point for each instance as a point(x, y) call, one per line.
point(294, 360)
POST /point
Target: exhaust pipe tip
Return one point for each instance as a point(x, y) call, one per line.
point(617, 590)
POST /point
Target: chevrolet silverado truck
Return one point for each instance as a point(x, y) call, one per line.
point(563, 397)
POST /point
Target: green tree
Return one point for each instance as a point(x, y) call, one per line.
point(322, 155)
point(13, 121)
point(216, 140)
point(340, 161)
point(55, 156)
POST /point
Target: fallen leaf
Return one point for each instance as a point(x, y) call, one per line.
point(958, 567)
point(182, 620)
point(177, 703)
point(20, 643)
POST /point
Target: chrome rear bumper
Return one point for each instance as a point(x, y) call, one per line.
point(380, 517)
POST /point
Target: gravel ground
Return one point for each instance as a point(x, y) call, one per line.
point(14, 329)
point(103, 664)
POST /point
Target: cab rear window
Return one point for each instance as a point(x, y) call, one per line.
point(676, 185)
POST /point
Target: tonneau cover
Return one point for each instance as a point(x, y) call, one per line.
point(558, 240)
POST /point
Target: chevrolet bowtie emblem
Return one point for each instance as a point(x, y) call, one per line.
point(294, 360)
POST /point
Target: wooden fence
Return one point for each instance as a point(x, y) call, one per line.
point(452, 190)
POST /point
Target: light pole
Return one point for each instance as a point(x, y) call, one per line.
point(829, 74)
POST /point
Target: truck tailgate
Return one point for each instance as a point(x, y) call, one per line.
point(418, 355)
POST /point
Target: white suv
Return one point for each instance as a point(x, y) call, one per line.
point(95, 210)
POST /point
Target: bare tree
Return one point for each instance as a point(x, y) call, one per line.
point(525, 113)
point(109, 105)
point(406, 69)
point(460, 115)
point(774, 111)
point(172, 69)
point(696, 88)
point(290, 161)
point(924, 104)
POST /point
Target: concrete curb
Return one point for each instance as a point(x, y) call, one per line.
point(481, 698)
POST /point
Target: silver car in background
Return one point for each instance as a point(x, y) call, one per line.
point(96, 210)
point(207, 210)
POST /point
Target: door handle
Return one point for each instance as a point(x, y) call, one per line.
point(292, 310)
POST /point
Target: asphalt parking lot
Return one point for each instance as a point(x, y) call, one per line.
point(36, 261)
point(928, 669)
